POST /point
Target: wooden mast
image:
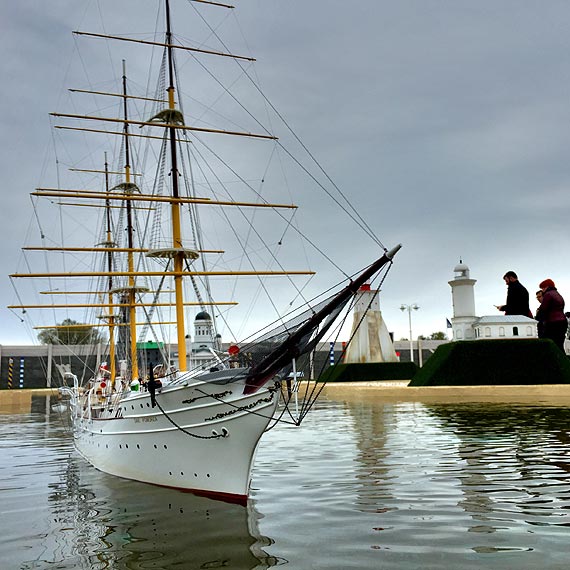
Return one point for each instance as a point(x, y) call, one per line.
point(118, 133)
point(130, 231)
point(158, 273)
point(118, 305)
point(109, 244)
point(149, 198)
point(157, 124)
point(169, 45)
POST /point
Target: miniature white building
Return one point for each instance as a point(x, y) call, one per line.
point(467, 326)
point(370, 339)
point(505, 326)
point(204, 345)
point(203, 331)
point(463, 297)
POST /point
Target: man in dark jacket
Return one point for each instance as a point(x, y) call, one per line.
point(517, 297)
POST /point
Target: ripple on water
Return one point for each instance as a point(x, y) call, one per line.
point(468, 486)
point(360, 484)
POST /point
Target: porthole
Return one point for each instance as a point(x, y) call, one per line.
point(155, 446)
point(120, 446)
point(165, 446)
point(207, 474)
point(127, 445)
point(138, 446)
point(182, 473)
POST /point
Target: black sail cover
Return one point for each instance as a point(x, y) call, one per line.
point(275, 351)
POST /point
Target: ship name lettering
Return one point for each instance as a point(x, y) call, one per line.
point(145, 420)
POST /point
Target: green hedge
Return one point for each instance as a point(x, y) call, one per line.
point(494, 362)
point(369, 372)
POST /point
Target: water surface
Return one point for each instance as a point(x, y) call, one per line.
point(362, 484)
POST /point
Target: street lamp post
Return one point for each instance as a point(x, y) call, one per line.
point(410, 308)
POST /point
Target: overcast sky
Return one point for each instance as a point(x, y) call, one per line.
point(446, 122)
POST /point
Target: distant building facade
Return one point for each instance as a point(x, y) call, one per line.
point(505, 326)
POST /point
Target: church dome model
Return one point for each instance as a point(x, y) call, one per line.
point(204, 343)
point(203, 316)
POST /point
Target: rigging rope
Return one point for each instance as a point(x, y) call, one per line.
point(314, 396)
point(183, 430)
point(235, 409)
point(355, 216)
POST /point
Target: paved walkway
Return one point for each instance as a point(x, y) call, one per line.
point(397, 391)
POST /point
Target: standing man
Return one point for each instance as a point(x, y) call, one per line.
point(517, 297)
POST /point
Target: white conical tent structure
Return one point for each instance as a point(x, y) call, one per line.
point(370, 339)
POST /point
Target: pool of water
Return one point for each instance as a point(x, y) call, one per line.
point(362, 484)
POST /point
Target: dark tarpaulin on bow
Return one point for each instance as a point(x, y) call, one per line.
point(274, 351)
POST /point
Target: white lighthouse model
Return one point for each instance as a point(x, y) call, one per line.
point(467, 326)
point(463, 296)
point(370, 339)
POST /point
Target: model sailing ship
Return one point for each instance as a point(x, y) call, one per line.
point(191, 423)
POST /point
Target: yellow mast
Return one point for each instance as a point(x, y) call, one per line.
point(175, 209)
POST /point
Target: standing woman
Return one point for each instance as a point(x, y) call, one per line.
point(551, 314)
point(539, 324)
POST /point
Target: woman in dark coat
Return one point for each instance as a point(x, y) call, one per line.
point(539, 325)
point(551, 314)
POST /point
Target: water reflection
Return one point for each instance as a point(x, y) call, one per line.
point(515, 462)
point(96, 521)
point(373, 425)
point(486, 479)
point(116, 523)
point(363, 484)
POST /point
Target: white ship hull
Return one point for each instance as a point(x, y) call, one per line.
point(209, 451)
